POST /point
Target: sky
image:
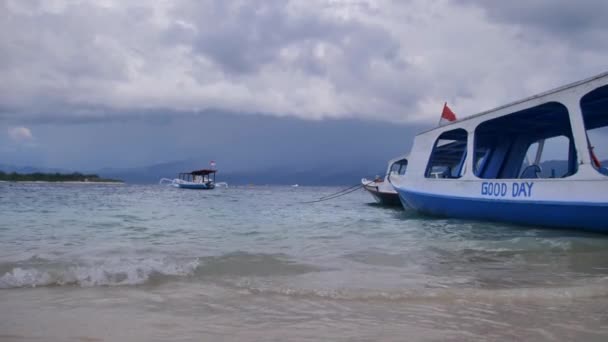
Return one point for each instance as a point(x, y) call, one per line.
point(127, 83)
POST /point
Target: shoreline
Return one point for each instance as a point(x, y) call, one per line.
point(62, 182)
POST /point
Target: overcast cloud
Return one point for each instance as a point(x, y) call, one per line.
point(374, 59)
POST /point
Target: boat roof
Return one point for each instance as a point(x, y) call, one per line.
point(533, 97)
point(202, 172)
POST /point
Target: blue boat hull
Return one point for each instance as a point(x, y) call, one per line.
point(583, 216)
point(195, 186)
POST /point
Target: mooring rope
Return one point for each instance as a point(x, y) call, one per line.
point(341, 193)
point(344, 190)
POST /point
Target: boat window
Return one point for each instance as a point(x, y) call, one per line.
point(399, 167)
point(403, 167)
point(448, 157)
point(594, 106)
point(532, 143)
point(395, 168)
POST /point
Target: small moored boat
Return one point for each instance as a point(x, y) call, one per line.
point(197, 180)
point(381, 189)
point(531, 162)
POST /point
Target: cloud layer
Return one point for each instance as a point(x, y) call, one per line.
point(314, 59)
point(20, 134)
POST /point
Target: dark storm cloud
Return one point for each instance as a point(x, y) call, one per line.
point(579, 22)
point(129, 82)
point(49, 60)
point(244, 37)
point(237, 142)
point(313, 59)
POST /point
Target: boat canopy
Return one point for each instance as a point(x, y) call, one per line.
point(203, 172)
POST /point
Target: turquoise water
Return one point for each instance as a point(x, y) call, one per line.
point(153, 263)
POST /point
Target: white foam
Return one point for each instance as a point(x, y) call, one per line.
point(19, 277)
point(109, 273)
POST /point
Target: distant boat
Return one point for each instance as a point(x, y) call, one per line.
point(295, 185)
point(488, 166)
point(381, 189)
point(196, 180)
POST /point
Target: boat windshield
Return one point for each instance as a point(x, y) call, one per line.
point(399, 167)
point(594, 106)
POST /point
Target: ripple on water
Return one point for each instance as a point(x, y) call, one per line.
point(258, 258)
point(37, 271)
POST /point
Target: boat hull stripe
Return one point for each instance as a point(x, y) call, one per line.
point(586, 216)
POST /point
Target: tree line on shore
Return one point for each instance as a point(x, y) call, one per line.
point(52, 177)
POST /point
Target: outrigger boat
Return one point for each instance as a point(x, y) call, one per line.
point(381, 189)
point(529, 162)
point(199, 179)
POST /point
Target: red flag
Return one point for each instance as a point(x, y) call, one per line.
point(447, 114)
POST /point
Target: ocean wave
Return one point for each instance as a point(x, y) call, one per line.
point(123, 271)
point(108, 273)
point(590, 289)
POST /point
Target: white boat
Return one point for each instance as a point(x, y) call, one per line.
point(501, 164)
point(196, 180)
point(381, 189)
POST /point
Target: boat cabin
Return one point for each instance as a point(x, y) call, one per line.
point(198, 176)
point(552, 135)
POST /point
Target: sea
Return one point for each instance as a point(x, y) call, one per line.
point(103, 262)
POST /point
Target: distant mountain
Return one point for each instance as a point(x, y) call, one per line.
point(247, 148)
point(326, 174)
point(557, 168)
point(553, 168)
point(329, 173)
point(149, 174)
